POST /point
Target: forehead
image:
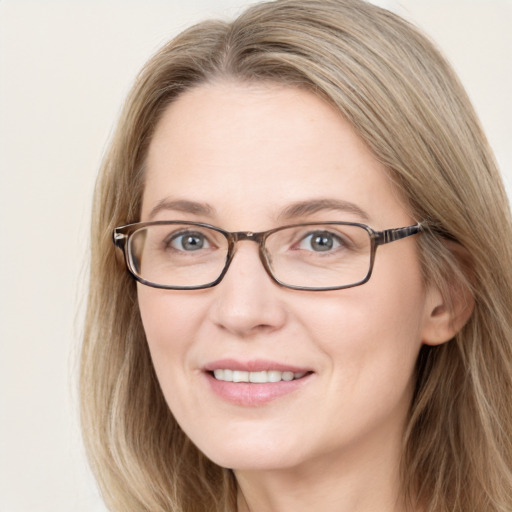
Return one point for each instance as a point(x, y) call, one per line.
point(254, 149)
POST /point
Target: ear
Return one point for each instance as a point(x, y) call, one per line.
point(446, 313)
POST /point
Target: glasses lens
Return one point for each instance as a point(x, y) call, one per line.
point(320, 255)
point(177, 255)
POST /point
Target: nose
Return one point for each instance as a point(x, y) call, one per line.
point(247, 300)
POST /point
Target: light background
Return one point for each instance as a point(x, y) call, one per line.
point(65, 67)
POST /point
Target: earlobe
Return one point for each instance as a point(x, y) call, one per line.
point(446, 314)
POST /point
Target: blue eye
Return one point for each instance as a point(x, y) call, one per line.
point(189, 241)
point(320, 241)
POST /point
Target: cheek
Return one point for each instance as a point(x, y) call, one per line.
point(372, 346)
point(166, 314)
point(169, 323)
point(370, 353)
point(372, 334)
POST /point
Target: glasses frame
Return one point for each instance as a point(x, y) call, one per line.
point(122, 234)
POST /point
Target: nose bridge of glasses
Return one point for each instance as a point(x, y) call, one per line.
point(251, 236)
point(244, 235)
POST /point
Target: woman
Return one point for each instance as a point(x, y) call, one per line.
point(323, 372)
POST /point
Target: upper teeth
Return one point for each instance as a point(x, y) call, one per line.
point(260, 377)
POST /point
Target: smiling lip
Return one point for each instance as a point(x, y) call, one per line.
point(257, 365)
point(254, 394)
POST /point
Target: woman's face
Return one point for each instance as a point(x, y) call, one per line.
point(252, 158)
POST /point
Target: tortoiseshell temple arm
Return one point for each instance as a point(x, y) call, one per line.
point(390, 235)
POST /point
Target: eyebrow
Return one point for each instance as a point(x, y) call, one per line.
point(182, 205)
point(303, 208)
point(298, 209)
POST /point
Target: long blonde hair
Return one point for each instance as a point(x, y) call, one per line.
point(407, 104)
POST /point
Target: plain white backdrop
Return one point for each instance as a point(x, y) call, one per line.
point(65, 67)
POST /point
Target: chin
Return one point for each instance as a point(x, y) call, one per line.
point(244, 453)
point(253, 462)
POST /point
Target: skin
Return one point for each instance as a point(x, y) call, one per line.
point(250, 151)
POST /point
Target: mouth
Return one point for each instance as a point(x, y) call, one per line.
point(255, 383)
point(259, 377)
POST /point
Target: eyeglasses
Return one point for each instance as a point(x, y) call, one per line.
point(181, 255)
